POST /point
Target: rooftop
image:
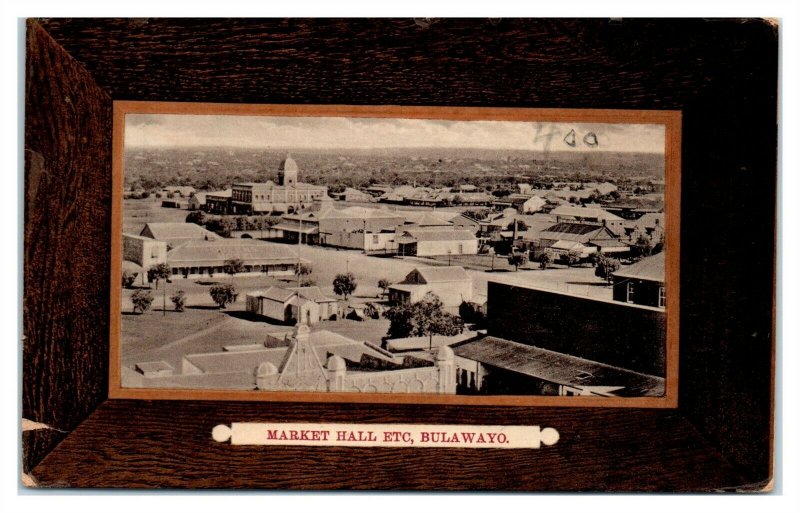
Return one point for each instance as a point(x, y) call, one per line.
point(579, 232)
point(584, 212)
point(313, 293)
point(439, 235)
point(175, 231)
point(559, 368)
point(323, 342)
point(439, 274)
point(650, 268)
point(248, 250)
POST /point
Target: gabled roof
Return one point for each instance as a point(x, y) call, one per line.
point(560, 368)
point(439, 274)
point(426, 218)
point(313, 294)
point(177, 231)
point(578, 232)
point(278, 294)
point(649, 220)
point(585, 213)
point(649, 268)
point(567, 245)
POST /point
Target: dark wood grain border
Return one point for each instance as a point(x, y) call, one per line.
point(670, 120)
point(722, 75)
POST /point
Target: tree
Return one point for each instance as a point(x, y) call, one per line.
point(128, 279)
point(401, 320)
point(517, 259)
point(545, 259)
point(196, 217)
point(469, 313)
point(158, 272)
point(223, 294)
point(426, 317)
point(306, 281)
point(384, 284)
point(606, 266)
point(430, 319)
point(344, 284)
point(179, 300)
point(573, 257)
point(303, 269)
point(141, 299)
point(642, 247)
point(233, 266)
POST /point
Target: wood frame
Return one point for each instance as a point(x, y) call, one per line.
point(669, 119)
point(721, 74)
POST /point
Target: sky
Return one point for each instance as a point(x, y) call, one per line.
point(265, 132)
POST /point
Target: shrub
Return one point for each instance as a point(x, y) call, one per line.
point(128, 279)
point(141, 299)
point(179, 300)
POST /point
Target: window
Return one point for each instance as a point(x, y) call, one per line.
point(629, 289)
point(374, 239)
point(662, 298)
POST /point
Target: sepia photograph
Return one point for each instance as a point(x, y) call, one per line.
point(465, 253)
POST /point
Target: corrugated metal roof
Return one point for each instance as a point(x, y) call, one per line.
point(649, 268)
point(559, 368)
point(578, 232)
point(586, 213)
point(217, 251)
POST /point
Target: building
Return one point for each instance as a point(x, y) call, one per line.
point(565, 213)
point(287, 196)
point(451, 284)
point(436, 242)
point(207, 258)
point(584, 238)
point(427, 218)
point(465, 222)
point(355, 196)
point(144, 251)
point(533, 204)
point(650, 225)
point(290, 305)
point(184, 191)
point(177, 233)
point(218, 202)
point(199, 199)
point(319, 361)
point(474, 199)
point(367, 229)
point(627, 336)
point(642, 283)
point(492, 365)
